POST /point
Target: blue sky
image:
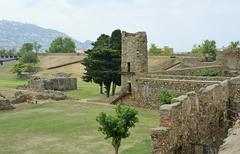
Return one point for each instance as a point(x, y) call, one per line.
point(176, 23)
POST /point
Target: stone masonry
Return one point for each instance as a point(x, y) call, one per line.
point(197, 118)
point(56, 83)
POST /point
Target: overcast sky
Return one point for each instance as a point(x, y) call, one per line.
point(175, 23)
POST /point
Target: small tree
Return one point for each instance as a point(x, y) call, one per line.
point(62, 45)
point(26, 47)
point(29, 57)
point(18, 69)
point(117, 127)
point(234, 45)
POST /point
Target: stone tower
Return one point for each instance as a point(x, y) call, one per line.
point(134, 59)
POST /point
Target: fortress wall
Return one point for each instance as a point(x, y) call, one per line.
point(149, 89)
point(196, 121)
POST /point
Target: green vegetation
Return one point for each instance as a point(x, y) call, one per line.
point(62, 45)
point(29, 57)
point(234, 45)
point(10, 52)
point(155, 50)
point(8, 80)
point(103, 62)
point(207, 48)
point(68, 127)
point(206, 73)
point(117, 126)
point(85, 90)
point(27, 60)
point(165, 96)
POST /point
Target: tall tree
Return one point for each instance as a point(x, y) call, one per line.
point(62, 45)
point(103, 62)
point(117, 127)
point(92, 62)
point(116, 45)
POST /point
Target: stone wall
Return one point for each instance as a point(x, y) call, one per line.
point(197, 118)
point(60, 84)
point(149, 88)
point(5, 104)
point(230, 58)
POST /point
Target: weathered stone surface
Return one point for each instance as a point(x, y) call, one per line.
point(197, 118)
point(59, 84)
point(21, 97)
point(5, 105)
point(230, 58)
point(50, 94)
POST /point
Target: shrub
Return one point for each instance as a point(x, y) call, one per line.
point(30, 68)
point(165, 96)
point(206, 73)
point(29, 57)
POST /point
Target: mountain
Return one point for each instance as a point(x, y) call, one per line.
point(14, 34)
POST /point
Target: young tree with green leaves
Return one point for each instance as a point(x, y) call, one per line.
point(18, 69)
point(117, 126)
point(208, 48)
point(26, 47)
point(62, 45)
point(29, 57)
point(234, 45)
point(154, 49)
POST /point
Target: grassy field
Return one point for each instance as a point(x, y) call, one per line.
point(66, 127)
point(8, 81)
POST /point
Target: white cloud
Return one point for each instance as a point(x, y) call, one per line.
point(177, 23)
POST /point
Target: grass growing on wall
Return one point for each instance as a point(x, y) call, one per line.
point(206, 73)
point(165, 96)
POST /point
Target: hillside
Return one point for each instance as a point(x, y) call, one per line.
point(14, 34)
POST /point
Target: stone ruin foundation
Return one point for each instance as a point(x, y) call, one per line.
point(56, 83)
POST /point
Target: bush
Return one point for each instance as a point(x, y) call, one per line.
point(30, 68)
point(29, 57)
point(206, 73)
point(165, 96)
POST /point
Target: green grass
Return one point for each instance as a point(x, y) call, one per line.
point(68, 127)
point(8, 80)
point(85, 90)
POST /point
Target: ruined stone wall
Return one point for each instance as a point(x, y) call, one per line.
point(149, 88)
point(230, 58)
point(197, 118)
point(60, 84)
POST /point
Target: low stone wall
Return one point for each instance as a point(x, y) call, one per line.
point(190, 71)
point(149, 88)
point(183, 77)
point(60, 84)
point(5, 105)
point(197, 118)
